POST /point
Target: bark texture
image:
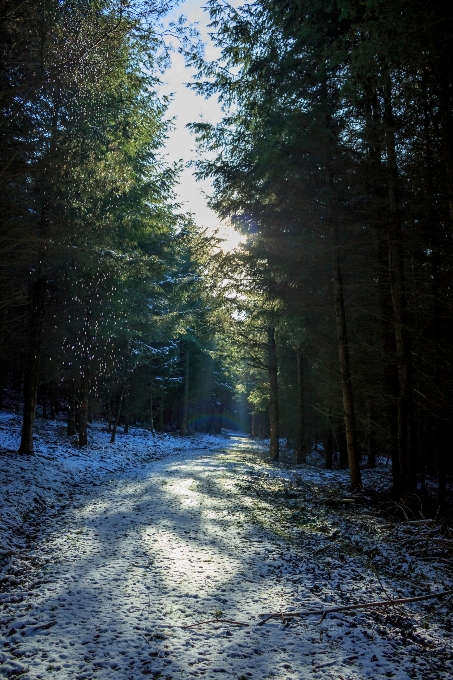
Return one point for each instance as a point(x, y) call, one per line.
point(38, 298)
point(273, 400)
point(301, 450)
point(84, 393)
point(72, 410)
point(343, 353)
point(399, 305)
point(185, 403)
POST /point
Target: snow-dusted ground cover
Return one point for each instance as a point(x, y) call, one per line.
point(59, 469)
point(128, 543)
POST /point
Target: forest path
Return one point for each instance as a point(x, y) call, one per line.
point(174, 544)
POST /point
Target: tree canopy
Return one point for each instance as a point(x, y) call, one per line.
point(331, 326)
point(334, 155)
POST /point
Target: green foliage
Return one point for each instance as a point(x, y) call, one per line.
point(90, 210)
point(318, 98)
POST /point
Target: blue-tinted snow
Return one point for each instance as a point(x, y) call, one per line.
point(108, 551)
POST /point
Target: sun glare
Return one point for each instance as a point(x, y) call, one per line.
point(231, 239)
point(187, 107)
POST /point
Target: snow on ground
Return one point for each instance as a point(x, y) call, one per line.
point(59, 468)
point(129, 542)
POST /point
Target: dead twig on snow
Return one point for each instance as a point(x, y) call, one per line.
point(201, 623)
point(363, 605)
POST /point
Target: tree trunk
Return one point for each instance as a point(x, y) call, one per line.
point(44, 402)
point(130, 348)
point(185, 404)
point(397, 287)
point(261, 427)
point(328, 446)
point(342, 336)
point(273, 400)
point(371, 444)
point(342, 447)
point(151, 419)
point(83, 410)
point(118, 415)
point(126, 413)
point(442, 463)
point(38, 300)
point(71, 431)
point(211, 425)
point(3, 365)
point(390, 388)
point(110, 410)
point(53, 410)
point(301, 450)
point(343, 352)
point(446, 120)
point(161, 415)
point(390, 374)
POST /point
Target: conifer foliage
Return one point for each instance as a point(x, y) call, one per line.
point(335, 157)
point(332, 326)
point(99, 266)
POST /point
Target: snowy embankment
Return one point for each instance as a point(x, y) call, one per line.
point(45, 483)
point(129, 544)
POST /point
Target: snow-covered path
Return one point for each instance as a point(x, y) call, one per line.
point(175, 543)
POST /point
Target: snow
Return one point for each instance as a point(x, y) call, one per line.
point(107, 552)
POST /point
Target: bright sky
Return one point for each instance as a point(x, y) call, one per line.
point(187, 107)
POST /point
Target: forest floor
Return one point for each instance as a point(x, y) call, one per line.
point(108, 555)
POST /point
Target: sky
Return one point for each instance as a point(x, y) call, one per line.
point(187, 107)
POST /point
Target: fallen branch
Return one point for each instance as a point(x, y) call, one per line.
point(333, 501)
point(443, 542)
point(409, 523)
point(201, 623)
point(39, 626)
point(25, 629)
point(363, 605)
